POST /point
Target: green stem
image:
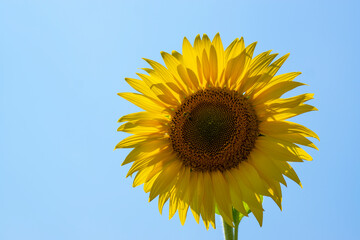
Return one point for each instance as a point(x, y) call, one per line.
point(236, 232)
point(228, 231)
point(237, 222)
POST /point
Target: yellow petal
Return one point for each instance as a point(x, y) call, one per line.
point(276, 188)
point(185, 77)
point(295, 138)
point(146, 149)
point(148, 184)
point(144, 102)
point(235, 50)
point(183, 209)
point(206, 67)
point(162, 72)
point(288, 113)
point(296, 150)
point(291, 147)
point(162, 157)
point(250, 49)
point(251, 178)
point(260, 67)
point(161, 90)
point(197, 180)
point(219, 48)
point(260, 62)
point(166, 179)
point(208, 203)
point(213, 61)
point(248, 195)
point(160, 163)
point(268, 73)
point(278, 151)
point(163, 198)
point(245, 83)
point(206, 43)
point(202, 81)
point(235, 68)
point(222, 196)
point(285, 127)
point(258, 215)
point(235, 193)
point(173, 205)
point(283, 78)
point(290, 102)
point(275, 91)
point(140, 86)
point(242, 80)
point(260, 161)
point(190, 191)
point(144, 115)
point(189, 55)
point(196, 215)
point(198, 45)
point(193, 78)
point(275, 66)
point(141, 176)
point(288, 171)
point(172, 63)
point(253, 201)
point(143, 127)
point(229, 49)
point(182, 186)
point(135, 140)
point(178, 56)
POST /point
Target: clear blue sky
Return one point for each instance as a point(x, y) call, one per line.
point(61, 65)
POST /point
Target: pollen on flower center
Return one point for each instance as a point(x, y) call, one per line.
point(214, 129)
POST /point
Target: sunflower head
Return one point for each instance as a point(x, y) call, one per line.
point(214, 133)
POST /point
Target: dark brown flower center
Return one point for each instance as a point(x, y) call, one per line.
point(214, 129)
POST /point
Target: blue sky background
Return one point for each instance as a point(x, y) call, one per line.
point(61, 65)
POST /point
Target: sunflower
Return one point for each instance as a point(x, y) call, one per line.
point(214, 134)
